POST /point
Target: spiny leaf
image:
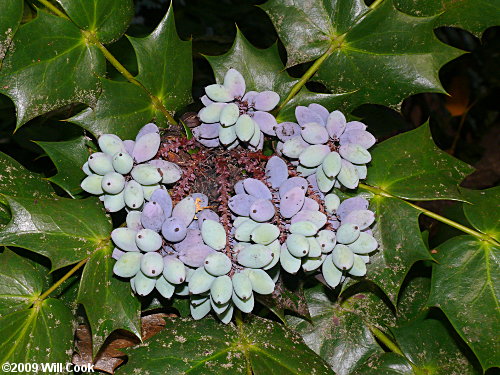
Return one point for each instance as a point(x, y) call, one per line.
point(21, 283)
point(42, 334)
point(428, 344)
point(122, 109)
point(465, 285)
point(258, 346)
point(400, 244)
point(118, 308)
point(108, 19)
point(264, 70)
point(17, 181)
point(472, 15)
point(68, 157)
point(410, 166)
point(10, 18)
point(165, 66)
point(340, 331)
point(64, 230)
point(384, 55)
point(49, 65)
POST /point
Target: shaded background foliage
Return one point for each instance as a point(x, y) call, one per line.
point(465, 124)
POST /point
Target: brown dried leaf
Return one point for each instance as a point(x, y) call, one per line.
point(110, 356)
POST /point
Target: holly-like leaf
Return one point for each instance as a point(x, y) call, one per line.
point(484, 211)
point(258, 346)
point(400, 244)
point(107, 19)
point(42, 334)
point(410, 166)
point(165, 65)
point(429, 346)
point(466, 285)
point(340, 330)
point(263, 70)
point(64, 230)
point(68, 157)
point(17, 181)
point(21, 282)
point(472, 15)
point(382, 54)
point(118, 308)
point(49, 65)
point(122, 109)
point(10, 18)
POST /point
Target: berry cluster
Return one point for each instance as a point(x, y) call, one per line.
point(124, 174)
point(231, 116)
point(289, 218)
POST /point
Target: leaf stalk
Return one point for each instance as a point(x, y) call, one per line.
point(454, 224)
point(54, 9)
point(336, 43)
point(61, 280)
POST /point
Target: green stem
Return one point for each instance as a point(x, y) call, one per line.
point(124, 72)
point(386, 340)
point(454, 224)
point(336, 43)
point(61, 280)
point(376, 3)
point(54, 9)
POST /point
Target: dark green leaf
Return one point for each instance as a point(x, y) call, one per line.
point(107, 19)
point(412, 301)
point(410, 166)
point(465, 285)
point(49, 65)
point(382, 54)
point(340, 331)
point(68, 157)
point(21, 282)
point(259, 346)
point(165, 65)
point(10, 18)
point(430, 346)
point(472, 267)
point(472, 15)
point(385, 364)
point(42, 334)
point(484, 212)
point(263, 70)
point(400, 244)
point(17, 181)
point(122, 109)
point(64, 230)
point(118, 308)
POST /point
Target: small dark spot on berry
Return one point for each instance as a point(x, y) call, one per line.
point(254, 211)
point(139, 236)
point(153, 272)
point(176, 229)
point(109, 183)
